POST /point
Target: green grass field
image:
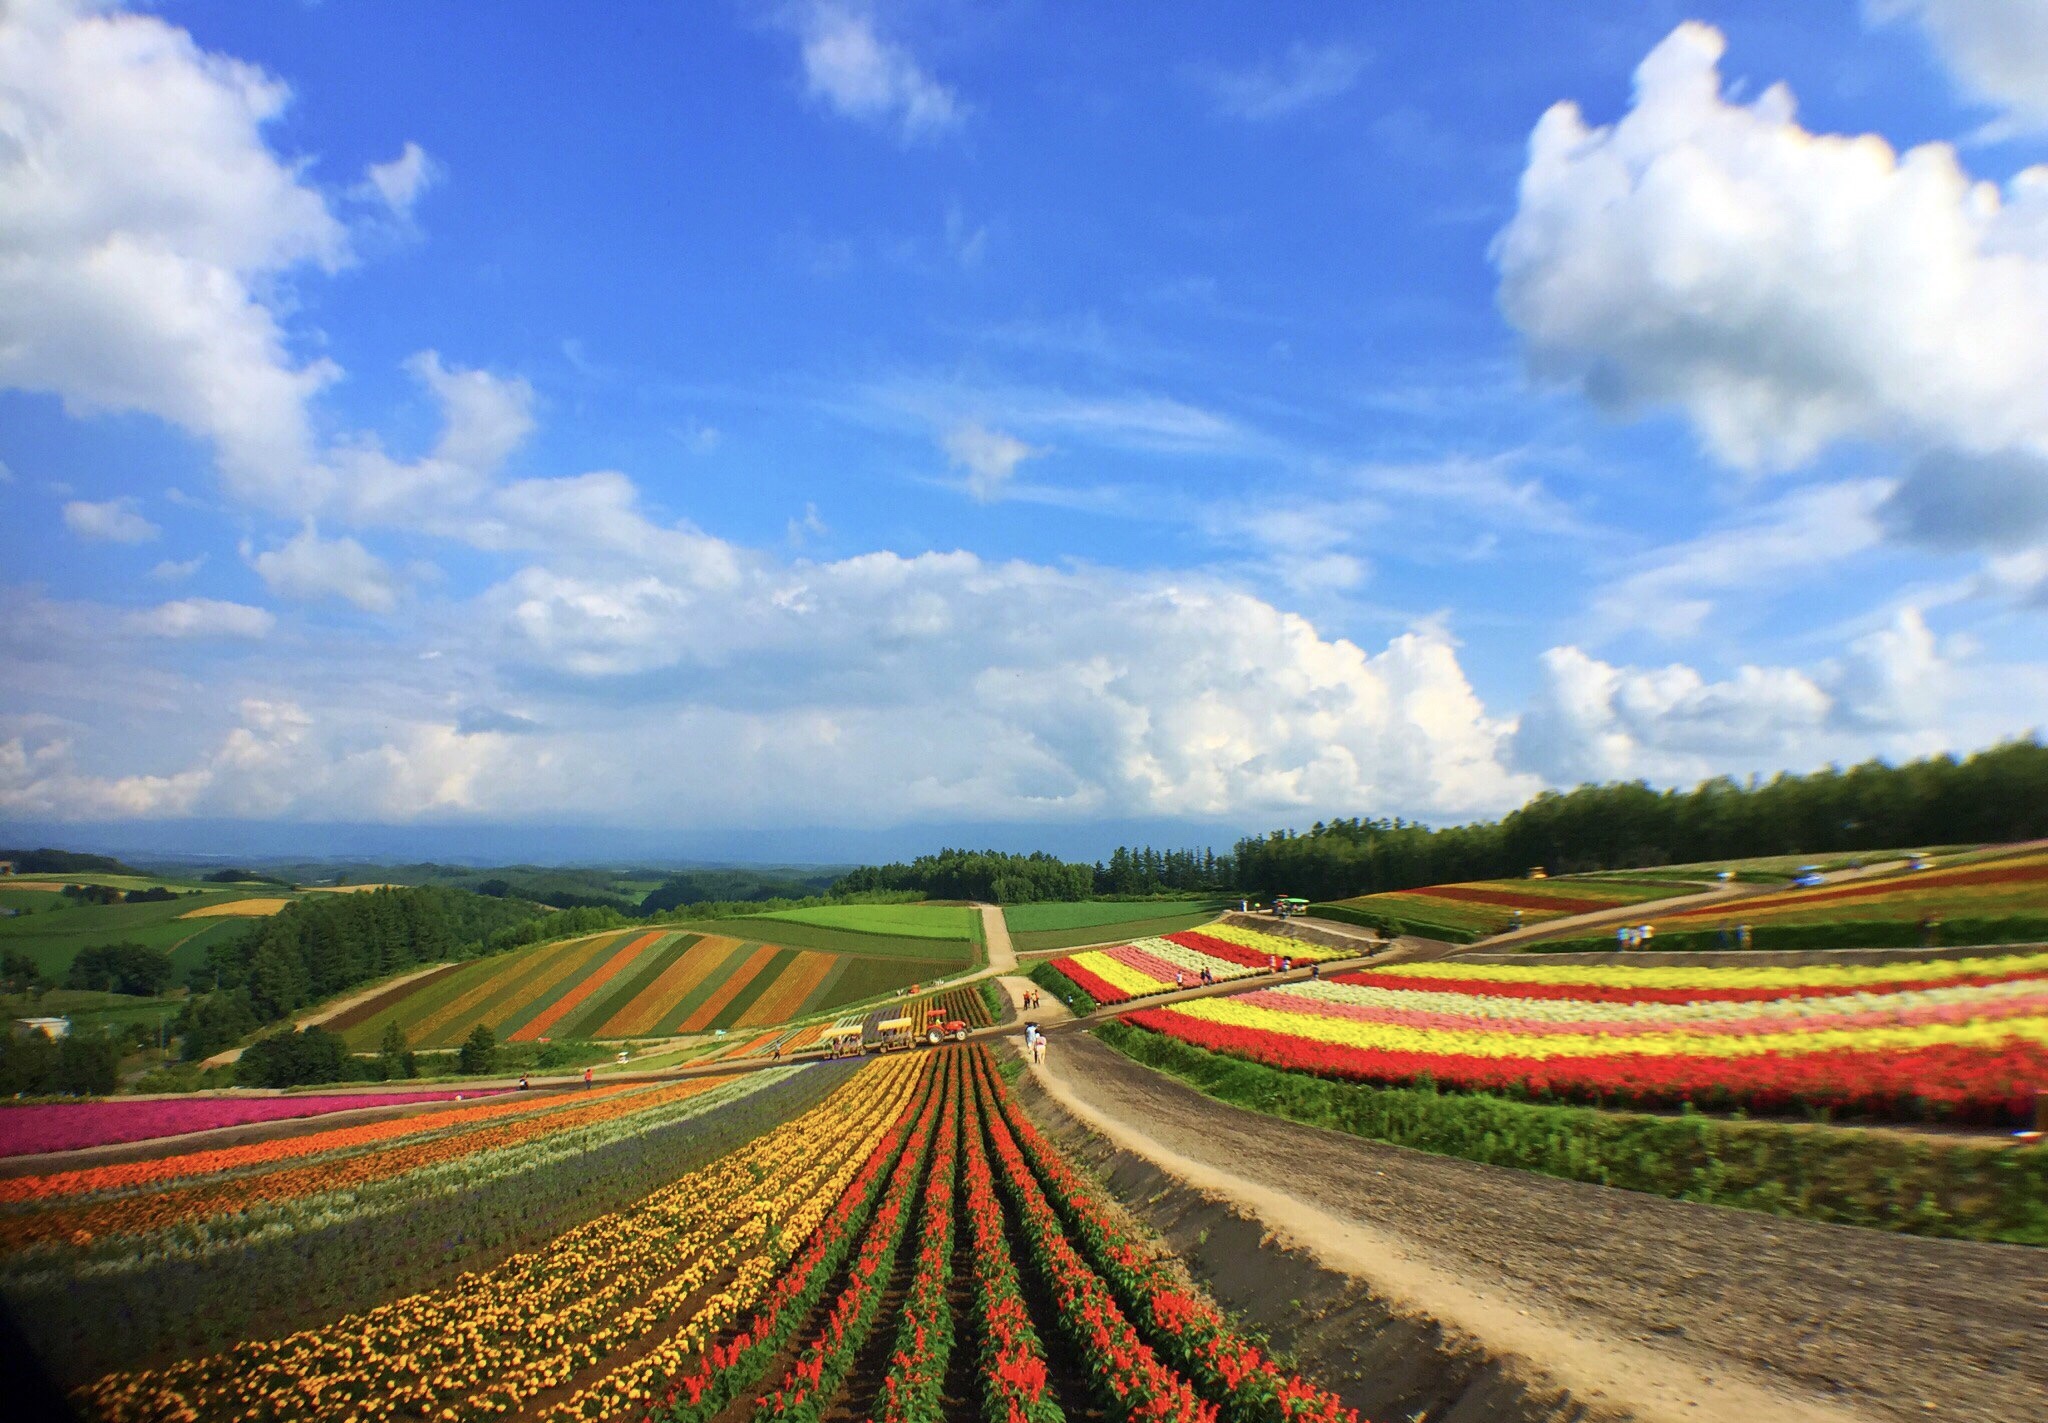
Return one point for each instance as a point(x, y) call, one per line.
point(832, 939)
point(53, 934)
point(914, 921)
point(1036, 928)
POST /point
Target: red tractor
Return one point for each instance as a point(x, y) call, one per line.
point(938, 1027)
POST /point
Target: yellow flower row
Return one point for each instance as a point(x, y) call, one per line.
point(1277, 944)
point(1651, 976)
point(1393, 1037)
point(500, 1337)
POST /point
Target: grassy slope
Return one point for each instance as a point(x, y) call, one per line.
point(835, 940)
point(1113, 930)
point(918, 921)
point(53, 936)
point(1096, 913)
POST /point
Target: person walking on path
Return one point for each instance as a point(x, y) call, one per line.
point(586, 1079)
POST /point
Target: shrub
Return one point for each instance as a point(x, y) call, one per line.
point(479, 1051)
point(295, 1057)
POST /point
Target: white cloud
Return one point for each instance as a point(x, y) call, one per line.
point(115, 520)
point(863, 76)
point(308, 567)
point(1305, 76)
point(1784, 289)
point(203, 618)
point(140, 213)
point(399, 183)
point(1672, 590)
point(1996, 49)
point(989, 457)
point(1890, 691)
point(177, 570)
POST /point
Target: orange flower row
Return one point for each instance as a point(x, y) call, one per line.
point(162, 1170)
point(137, 1214)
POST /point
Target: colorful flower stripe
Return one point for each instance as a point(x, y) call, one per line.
point(1554, 904)
point(524, 980)
point(162, 1209)
point(2025, 872)
point(639, 1017)
point(536, 1026)
point(1569, 980)
point(924, 1336)
point(816, 1373)
point(1014, 1378)
point(70, 1126)
point(1228, 1368)
point(1248, 1011)
point(1990, 1082)
point(1273, 945)
point(1129, 1373)
point(737, 977)
point(785, 998)
point(726, 1370)
point(167, 1170)
point(535, 1320)
point(1544, 1017)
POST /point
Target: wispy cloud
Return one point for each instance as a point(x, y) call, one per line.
point(1304, 76)
point(861, 75)
point(113, 521)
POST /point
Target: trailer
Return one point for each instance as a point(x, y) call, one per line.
point(892, 1034)
point(843, 1041)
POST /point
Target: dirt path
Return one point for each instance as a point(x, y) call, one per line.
point(1641, 1307)
point(332, 1010)
point(995, 932)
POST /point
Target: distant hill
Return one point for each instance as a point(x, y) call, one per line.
point(65, 862)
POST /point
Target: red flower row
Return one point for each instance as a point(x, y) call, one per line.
point(924, 1339)
point(1596, 993)
point(726, 1370)
point(816, 1374)
point(1013, 1372)
point(1094, 985)
point(1187, 1328)
point(1134, 1382)
point(1987, 1084)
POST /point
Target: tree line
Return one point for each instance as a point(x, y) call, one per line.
point(319, 946)
point(2000, 794)
point(998, 877)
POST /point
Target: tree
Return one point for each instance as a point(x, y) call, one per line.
point(134, 969)
point(19, 973)
point(293, 1057)
point(479, 1051)
point(399, 1060)
point(211, 1021)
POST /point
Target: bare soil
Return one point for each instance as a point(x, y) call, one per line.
point(1427, 1287)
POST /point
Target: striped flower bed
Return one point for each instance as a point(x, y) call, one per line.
point(1147, 966)
point(1967, 1039)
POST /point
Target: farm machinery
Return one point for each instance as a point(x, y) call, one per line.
point(938, 1027)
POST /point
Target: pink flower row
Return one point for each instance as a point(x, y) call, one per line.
point(67, 1126)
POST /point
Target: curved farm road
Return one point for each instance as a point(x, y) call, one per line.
point(1638, 1307)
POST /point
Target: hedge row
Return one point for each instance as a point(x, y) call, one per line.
point(1886, 1180)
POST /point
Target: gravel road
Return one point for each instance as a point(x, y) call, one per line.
point(1640, 1306)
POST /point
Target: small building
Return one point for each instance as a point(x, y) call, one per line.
point(6, 867)
point(1538, 872)
point(48, 1027)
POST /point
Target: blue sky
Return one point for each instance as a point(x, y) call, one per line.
point(828, 417)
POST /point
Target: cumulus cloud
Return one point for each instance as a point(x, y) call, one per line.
point(1996, 49)
point(399, 183)
point(308, 567)
point(140, 213)
point(177, 570)
point(987, 457)
point(1784, 289)
point(1593, 721)
point(115, 521)
point(1305, 76)
point(858, 73)
point(203, 618)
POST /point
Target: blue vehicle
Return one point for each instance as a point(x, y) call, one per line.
point(1808, 877)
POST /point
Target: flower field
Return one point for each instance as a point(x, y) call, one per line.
point(1147, 966)
point(67, 1126)
point(1963, 1039)
point(634, 983)
point(909, 1248)
point(964, 1003)
point(2009, 885)
point(1475, 910)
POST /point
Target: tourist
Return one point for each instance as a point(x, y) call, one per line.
point(522, 1082)
point(1272, 963)
point(1287, 963)
point(1315, 969)
point(1742, 936)
point(586, 1079)
point(1621, 937)
point(1649, 932)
